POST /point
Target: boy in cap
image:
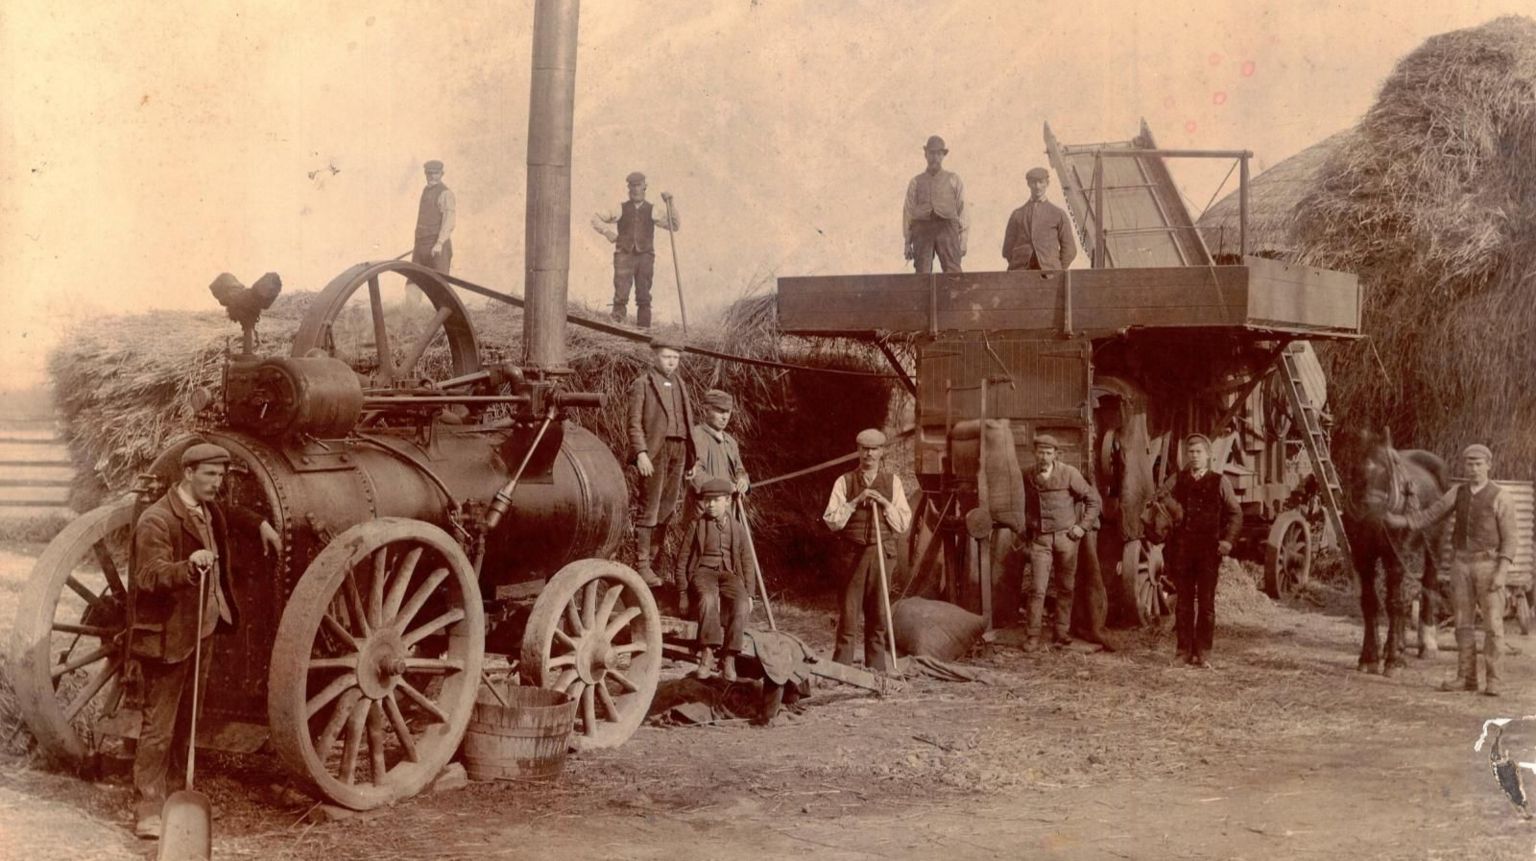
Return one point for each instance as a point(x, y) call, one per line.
point(179, 542)
point(934, 217)
point(632, 230)
point(1039, 233)
point(716, 565)
point(660, 447)
point(434, 222)
point(1484, 538)
point(1212, 517)
point(1060, 508)
point(858, 497)
point(718, 455)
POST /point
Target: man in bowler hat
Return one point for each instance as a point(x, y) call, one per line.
point(934, 217)
point(632, 230)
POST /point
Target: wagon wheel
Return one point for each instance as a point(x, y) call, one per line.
point(1522, 604)
point(386, 333)
point(67, 644)
point(1139, 573)
point(595, 633)
point(1287, 555)
point(377, 662)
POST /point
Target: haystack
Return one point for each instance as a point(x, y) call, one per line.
point(1272, 199)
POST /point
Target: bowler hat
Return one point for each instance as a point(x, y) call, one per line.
point(1477, 449)
point(1037, 173)
point(716, 487)
point(870, 438)
point(935, 143)
point(667, 342)
point(204, 452)
point(636, 178)
point(1045, 440)
point(719, 400)
point(433, 166)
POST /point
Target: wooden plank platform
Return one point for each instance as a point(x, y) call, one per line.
point(1263, 296)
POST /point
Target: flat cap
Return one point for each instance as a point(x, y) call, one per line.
point(1477, 449)
point(935, 143)
point(667, 342)
point(434, 165)
point(1038, 173)
point(1045, 440)
point(1198, 437)
point(716, 487)
point(204, 452)
point(719, 400)
point(636, 178)
point(870, 438)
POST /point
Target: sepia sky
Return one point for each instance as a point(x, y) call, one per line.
point(146, 147)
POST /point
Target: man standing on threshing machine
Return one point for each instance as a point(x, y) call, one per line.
point(661, 448)
point(632, 230)
point(434, 222)
point(1198, 542)
point(716, 565)
point(1060, 507)
point(868, 509)
point(181, 542)
point(934, 217)
point(1483, 543)
point(1039, 233)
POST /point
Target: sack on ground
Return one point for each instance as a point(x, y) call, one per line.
point(935, 628)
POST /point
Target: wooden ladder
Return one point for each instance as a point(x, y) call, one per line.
point(1316, 441)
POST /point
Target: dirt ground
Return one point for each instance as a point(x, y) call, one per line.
point(1283, 751)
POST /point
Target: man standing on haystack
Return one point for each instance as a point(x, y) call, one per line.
point(1199, 541)
point(181, 556)
point(632, 230)
point(1039, 233)
point(858, 498)
point(434, 222)
point(1060, 508)
point(1484, 537)
point(934, 218)
point(661, 448)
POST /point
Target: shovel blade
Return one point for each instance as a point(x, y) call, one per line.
point(186, 828)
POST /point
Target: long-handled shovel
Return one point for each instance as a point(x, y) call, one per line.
point(762, 587)
point(677, 272)
point(186, 819)
point(885, 589)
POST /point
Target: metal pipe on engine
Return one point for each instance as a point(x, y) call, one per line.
point(551, 115)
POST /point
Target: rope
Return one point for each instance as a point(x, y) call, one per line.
point(826, 464)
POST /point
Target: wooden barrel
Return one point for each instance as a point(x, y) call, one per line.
point(526, 739)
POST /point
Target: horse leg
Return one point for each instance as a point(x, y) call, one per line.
point(1429, 589)
point(1365, 566)
point(1397, 614)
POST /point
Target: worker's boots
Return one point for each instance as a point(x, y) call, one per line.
point(643, 316)
point(728, 667)
point(644, 558)
point(706, 668)
point(620, 313)
point(1466, 662)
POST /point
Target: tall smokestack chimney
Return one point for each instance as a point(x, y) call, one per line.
point(547, 247)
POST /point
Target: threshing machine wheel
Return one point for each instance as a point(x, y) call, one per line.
point(1287, 555)
point(67, 645)
point(595, 633)
point(1139, 574)
point(392, 333)
point(378, 653)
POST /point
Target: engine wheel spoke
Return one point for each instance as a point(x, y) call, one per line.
point(401, 582)
point(328, 693)
point(381, 333)
point(419, 598)
point(376, 765)
point(610, 600)
point(442, 621)
point(422, 700)
point(332, 730)
point(97, 682)
point(354, 740)
point(622, 622)
point(402, 729)
point(376, 587)
point(86, 659)
point(109, 569)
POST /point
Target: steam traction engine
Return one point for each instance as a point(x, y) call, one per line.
point(430, 506)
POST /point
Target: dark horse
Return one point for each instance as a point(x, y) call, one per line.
point(1379, 480)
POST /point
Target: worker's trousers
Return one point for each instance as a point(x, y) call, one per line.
point(637, 269)
point(1053, 565)
point(861, 598)
point(160, 756)
point(1475, 586)
point(711, 587)
point(936, 236)
point(1196, 568)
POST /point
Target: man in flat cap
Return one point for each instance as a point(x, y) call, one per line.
point(1484, 539)
point(1039, 233)
point(716, 565)
point(1060, 507)
point(1212, 518)
point(661, 448)
point(434, 222)
point(632, 230)
point(718, 453)
point(934, 218)
point(858, 498)
point(181, 558)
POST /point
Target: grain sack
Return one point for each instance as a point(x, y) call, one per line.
point(935, 628)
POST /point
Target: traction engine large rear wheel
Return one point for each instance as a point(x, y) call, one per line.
point(378, 654)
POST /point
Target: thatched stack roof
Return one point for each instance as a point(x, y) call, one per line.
point(1272, 199)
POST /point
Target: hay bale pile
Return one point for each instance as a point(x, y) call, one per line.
point(1432, 201)
point(126, 385)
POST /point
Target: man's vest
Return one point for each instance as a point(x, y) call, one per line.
point(1201, 500)
point(1476, 527)
point(935, 197)
point(860, 527)
point(714, 544)
point(429, 216)
point(637, 228)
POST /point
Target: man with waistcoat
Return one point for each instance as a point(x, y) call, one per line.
point(1196, 545)
point(1039, 233)
point(934, 218)
point(181, 541)
point(661, 448)
point(1060, 507)
point(715, 566)
point(1484, 539)
point(632, 230)
point(434, 222)
point(858, 498)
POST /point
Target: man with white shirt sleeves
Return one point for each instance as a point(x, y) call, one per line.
point(632, 230)
point(1212, 518)
point(858, 497)
point(434, 222)
point(934, 217)
point(1060, 508)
